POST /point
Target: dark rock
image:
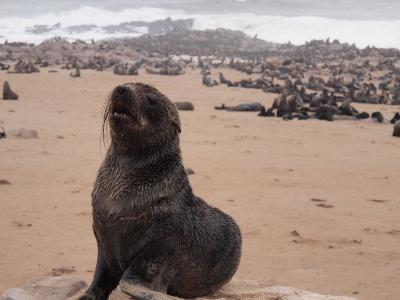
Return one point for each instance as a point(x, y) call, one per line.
point(185, 105)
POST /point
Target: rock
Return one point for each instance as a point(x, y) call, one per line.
point(249, 289)
point(48, 288)
point(8, 93)
point(184, 105)
point(59, 288)
point(190, 171)
point(396, 129)
point(17, 294)
point(23, 133)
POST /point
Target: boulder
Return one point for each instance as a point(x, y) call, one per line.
point(184, 105)
point(59, 288)
point(23, 133)
point(48, 288)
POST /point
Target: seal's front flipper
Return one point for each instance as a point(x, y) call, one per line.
point(139, 292)
point(103, 281)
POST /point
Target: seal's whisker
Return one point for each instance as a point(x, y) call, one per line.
point(106, 115)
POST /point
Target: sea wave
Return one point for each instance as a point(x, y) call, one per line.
point(280, 29)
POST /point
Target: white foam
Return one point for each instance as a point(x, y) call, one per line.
point(271, 28)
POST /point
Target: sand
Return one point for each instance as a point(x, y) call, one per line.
point(263, 171)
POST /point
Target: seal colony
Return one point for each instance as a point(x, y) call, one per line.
point(152, 231)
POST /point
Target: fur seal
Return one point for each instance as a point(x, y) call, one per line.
point(255, 106)
point(377, 115)
point(8, 93)
point(207, 81)
point(396, 129)
point(223, 80)
point(151, 230)
point(286, 104)
point(326, 112)
point(395, 118)
point(266, 113)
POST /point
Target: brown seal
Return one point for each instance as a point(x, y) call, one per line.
point(151, 230)
point(8, 93)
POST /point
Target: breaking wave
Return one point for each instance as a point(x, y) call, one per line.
point(89, 22)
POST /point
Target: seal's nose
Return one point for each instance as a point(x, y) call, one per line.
point(121, 90)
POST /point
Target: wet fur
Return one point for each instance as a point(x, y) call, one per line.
point(150, 228)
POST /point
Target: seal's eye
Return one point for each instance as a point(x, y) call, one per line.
point(152, 100)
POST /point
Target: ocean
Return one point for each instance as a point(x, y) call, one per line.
point(362, 22)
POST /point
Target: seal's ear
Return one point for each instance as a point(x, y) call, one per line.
point(177, 125)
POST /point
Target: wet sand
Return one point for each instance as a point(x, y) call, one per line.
point(318, 202)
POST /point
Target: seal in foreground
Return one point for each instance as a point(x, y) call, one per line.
point(151, 230)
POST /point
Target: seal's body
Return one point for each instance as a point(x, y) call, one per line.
point(150, 228)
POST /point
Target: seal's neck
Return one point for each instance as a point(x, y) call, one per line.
point(146, 156)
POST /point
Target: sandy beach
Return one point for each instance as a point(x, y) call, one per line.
point(317, 202)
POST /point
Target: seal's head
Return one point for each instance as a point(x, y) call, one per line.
point(140, 117)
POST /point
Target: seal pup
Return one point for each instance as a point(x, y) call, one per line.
point(152, 232)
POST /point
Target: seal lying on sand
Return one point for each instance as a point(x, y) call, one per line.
point(255, 106)
point(151, 230)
